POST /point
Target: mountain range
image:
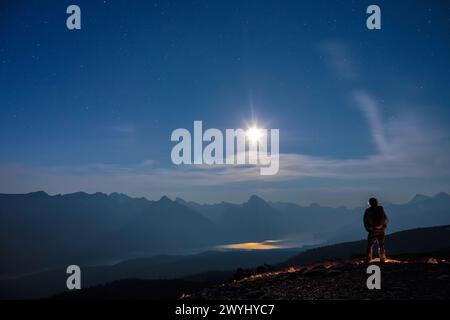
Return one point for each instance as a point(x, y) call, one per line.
point(40, 232)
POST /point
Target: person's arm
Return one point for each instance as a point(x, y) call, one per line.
point(366, 221)
point(385, 220)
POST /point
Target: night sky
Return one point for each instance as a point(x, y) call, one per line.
point(360, 112)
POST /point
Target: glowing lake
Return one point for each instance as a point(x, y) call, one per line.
point(290, 242)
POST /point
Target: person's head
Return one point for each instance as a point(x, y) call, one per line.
point(373, 202)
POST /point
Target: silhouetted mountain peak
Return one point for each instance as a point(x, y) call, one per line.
point(116, 194)
point(81, 195)
point(38, 194)
point(419, 198)
point(181, 201)
point(165, 199)
point(442, 195)
point(119, 196)
point(254, 199)
point(100, 194)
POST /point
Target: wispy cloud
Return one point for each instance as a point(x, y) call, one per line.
point(369, 108)
point(407, 148)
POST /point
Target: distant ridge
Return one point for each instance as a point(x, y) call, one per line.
point(38, 230)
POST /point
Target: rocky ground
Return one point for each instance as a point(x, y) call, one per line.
point(402, 279)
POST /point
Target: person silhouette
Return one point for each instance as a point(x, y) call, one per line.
point(375, 222)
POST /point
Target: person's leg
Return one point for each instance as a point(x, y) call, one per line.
point(382, 250)
point(370, 241)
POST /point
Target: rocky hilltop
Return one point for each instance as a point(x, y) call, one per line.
point(403, 278)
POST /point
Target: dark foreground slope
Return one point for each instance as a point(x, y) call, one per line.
point(44, 284)
point(138, 289)
point(405, 279)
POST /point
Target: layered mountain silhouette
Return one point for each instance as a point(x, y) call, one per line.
point(39, 231)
